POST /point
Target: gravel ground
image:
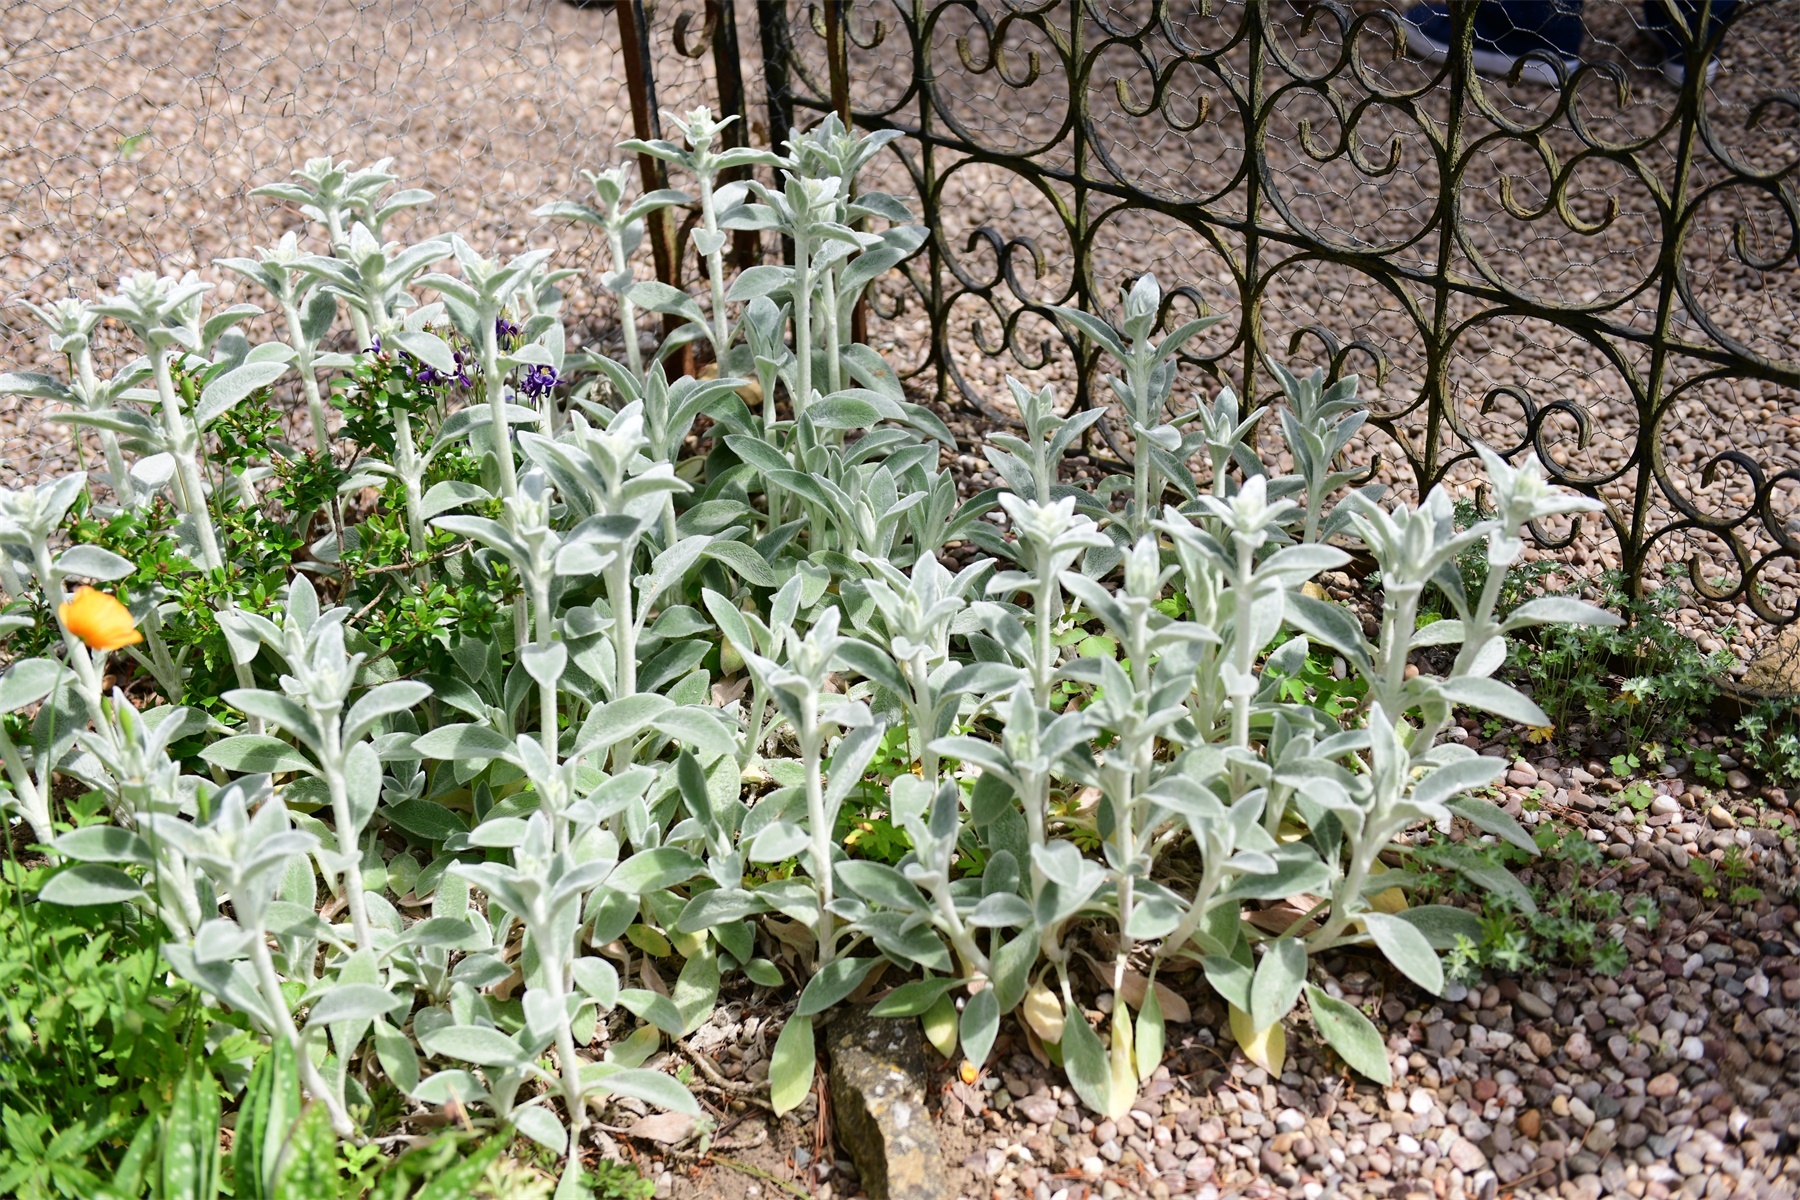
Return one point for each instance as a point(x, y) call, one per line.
point(1678, 1077)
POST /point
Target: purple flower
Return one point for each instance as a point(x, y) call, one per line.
point(505, 329)
point(539, 381)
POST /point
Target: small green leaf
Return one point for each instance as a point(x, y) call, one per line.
point(697, 990)
point(1277, 983)
point(425, 819)
point(980, 1024)
point(791, 1066)
point(1407, 949)
point(1351, 1034)
point(654, 871)
point(90, 884)
point(911, 999)
point(1084, 1060)
point(763, 973)
point(256, 754)
point(832, 983)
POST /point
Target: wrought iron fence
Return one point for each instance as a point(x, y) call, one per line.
point(1601, 272)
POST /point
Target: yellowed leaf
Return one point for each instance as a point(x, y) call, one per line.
point(939, 1023)
point(1122, 1092)
point(1044, 1012)
point(1267, 1048)
point(1174, 1008)
point(1388, 900)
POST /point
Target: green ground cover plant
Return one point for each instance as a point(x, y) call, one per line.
point(616, 665)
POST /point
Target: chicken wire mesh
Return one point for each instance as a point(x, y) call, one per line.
point(133, 132)
point(1596, 265)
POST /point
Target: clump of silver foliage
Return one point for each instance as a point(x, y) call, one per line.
point(588, 805)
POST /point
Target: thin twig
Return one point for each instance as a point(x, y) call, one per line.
point(718, 1080)
point(400, 567)
point(379, 597)
point(758, 1173)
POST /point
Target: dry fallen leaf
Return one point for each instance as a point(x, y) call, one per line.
point(667, 1128)
point(1279, 918)
point(871, 982)
point(1174, 1008)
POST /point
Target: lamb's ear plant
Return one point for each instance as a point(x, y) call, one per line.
point(71, 323)
point(67, 693)
point(622, 494)
point(805, 210)
point(309, 311)
point(802, 823)
point(1149, 378)
point(163, 313)
point(478, 304)
point(683, 669)
point(314, 708)
point(700, 130)
point(1229, 439)
point(340, 195)
point(1050, 538)
point(1029, 465)
point(245, 857)
point(622, 224)
point(912, 657)
point(1319, 422)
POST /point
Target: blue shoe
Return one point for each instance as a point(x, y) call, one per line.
point(1429, 30)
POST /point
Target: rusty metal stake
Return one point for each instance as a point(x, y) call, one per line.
point(646, 124)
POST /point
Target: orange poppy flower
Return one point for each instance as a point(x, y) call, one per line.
point(99, 620)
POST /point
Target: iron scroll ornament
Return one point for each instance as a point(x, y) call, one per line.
point(1329, 89)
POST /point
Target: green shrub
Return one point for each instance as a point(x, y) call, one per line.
point(1644, 681)
point(97, 1041)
